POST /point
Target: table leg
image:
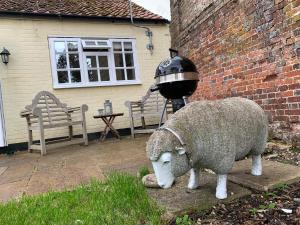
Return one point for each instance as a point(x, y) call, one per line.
point(105, 131)
point(108, 127)
point(112, 129)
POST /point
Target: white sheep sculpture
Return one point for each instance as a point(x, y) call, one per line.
point(208, 134)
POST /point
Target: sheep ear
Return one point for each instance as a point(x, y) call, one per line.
point(180, 150)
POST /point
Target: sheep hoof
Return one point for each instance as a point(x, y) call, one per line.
point(193, 186)
point(256, 172)
point(221, 195)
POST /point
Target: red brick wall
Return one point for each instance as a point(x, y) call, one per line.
point(248, 48)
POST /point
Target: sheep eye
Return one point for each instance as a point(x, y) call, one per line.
point(166, 162)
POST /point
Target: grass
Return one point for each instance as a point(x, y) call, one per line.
point(143, 172)
point(121, 199)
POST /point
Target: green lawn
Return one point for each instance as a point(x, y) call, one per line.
point(120, 200)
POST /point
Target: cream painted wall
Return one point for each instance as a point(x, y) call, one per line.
point(29, 69)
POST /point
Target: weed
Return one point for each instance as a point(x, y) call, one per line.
point(281, 186)
point(295, 149)
point(185, 220)
point(269, 194)
point(272, 205)
point(269, 206)
point(253, 211)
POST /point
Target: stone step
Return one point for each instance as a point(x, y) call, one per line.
point(274, 173)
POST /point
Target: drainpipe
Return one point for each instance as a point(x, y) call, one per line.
point(149, 33)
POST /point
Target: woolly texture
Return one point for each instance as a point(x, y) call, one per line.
point(216, 133)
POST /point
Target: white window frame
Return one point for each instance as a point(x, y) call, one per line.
point(56, 84)
point(96, 45)
point(83, 67)
point(135, 67)
point(110, 68)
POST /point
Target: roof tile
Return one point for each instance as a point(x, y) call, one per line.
point(87, 8)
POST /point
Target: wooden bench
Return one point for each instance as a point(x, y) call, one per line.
point(151, 106)
point(46, 112)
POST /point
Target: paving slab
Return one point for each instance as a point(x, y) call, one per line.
point(16, 173)
point(179, 200)
point(12, 190)
point(274, 173)
point(61, 179)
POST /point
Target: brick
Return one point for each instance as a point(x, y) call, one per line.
point(292, 112)
point(294, 119)
point(294, 99)
point(254, 48)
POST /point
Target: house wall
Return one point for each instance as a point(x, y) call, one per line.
point(29, 68)
point(245, 48)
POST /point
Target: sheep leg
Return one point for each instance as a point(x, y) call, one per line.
point(221, 192)
point(194, 179)
point(256, 165)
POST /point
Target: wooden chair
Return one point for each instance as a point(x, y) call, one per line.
point(151, 106)
point(46, 112)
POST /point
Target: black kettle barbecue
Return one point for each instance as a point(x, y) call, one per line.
point(176, 79)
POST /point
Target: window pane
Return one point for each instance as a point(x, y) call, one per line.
point(120, 74)
point(119, 60)
point(129, 59)
point(127, 46)
point(73, 46)
point(62, 77)
point(61, 61)
point(103, 61)
point(117, 46)
point(93, 75)
point(74, 60)
point(60, 46)
point(101, 42)
point(75, 76)
point(104, 75)
point(90, 42)
point(130, 74)
point(91, 61)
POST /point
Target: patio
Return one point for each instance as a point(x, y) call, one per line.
point(29, 173)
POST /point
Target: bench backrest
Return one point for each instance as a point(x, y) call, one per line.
point(49, 108)
point(152, 103)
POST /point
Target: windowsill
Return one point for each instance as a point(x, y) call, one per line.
point(108, 84)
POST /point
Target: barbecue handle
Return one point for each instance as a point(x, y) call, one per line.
point(173, 52)
point(155, 88)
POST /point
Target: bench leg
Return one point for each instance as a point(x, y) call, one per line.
point(42, 141)
point(131, 122)
point(143, 122)
point(84, 133)
point(30, 140)
point(30, 137)
point(132, 127)
point(70, 132)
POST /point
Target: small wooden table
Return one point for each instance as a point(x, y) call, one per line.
point(108, 119)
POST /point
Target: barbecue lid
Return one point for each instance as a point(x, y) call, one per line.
point(175, 65)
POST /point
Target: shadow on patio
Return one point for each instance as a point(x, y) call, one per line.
point(30, 174)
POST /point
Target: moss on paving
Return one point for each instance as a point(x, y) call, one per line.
point(121, 199)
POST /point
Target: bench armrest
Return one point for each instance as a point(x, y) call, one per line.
point(129, 104)
point(84, 108)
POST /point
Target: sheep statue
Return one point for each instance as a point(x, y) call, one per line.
point(208, 134)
